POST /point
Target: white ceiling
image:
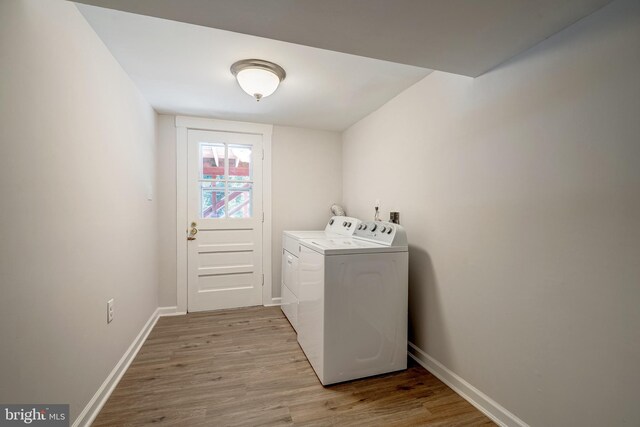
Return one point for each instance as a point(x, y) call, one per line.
point(466, 37)
point(184, 69)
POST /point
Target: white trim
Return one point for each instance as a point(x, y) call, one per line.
point(484, 403)
point(267, 289)
point(275, 302)
point(183, 123)
point(181, 217)
point(170, 311)
point(90, 412)
point(93, 408)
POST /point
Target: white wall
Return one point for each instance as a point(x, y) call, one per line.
point(167, 248)
point(306, 180)
point(76, 166)
point(520, 191)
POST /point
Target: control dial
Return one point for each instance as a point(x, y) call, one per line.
point(373, 227)
point(389, 230)
point(331, 221)
point(383, 229)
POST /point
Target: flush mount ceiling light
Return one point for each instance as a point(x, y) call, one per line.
point(257, 77)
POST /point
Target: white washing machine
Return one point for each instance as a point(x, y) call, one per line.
point(342, 226)
point(352, 313)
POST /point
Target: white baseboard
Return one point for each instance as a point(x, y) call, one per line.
point(170, 311)
point(484, 403)
point(90, 412)
point(274, 302)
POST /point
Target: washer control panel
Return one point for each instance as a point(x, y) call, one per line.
point(386, 233)
point(343, 225)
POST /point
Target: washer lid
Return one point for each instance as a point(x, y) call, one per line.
point(320, 234)
point(348, 246)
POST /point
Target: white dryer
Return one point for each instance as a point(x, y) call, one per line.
point(342, 226)
point(352, 313)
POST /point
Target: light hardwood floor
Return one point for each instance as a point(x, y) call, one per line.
point(244, 367)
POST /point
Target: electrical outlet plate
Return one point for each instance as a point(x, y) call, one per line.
point(110, 310)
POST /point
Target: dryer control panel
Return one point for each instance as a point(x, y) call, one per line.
point(343, 225)
point(386, 233)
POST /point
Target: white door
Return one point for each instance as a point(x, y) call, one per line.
point(225, 220)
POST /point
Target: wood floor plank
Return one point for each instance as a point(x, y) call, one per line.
point(243, 367)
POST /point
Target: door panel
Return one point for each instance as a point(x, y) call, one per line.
point(229, 259)
point(225, 282)
point(225, 220)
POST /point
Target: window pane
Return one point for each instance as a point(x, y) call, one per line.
point(212, 157)
point(240, 200)
point(217, 185)
point(240, 162)
point(212, 202)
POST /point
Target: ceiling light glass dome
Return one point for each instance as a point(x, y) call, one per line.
point(257, 77)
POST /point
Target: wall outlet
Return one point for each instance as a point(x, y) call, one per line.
point(110, 310)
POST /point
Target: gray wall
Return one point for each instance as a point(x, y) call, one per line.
point(306, 180)
point(76, 167)
point(520, 191)
point(167, 207)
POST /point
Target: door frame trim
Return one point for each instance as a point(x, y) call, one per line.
point(183, 124)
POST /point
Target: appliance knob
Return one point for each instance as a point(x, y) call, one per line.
point(360, 227)
point(331, 221)
point(383, 229)
point(389, 230)
point(349, 225)
point(373, 228)
point(364, 226)
point(344, 224)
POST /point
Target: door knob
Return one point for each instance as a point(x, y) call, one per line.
point(192, 232)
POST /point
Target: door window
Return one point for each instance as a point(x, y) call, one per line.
point(226, 180)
